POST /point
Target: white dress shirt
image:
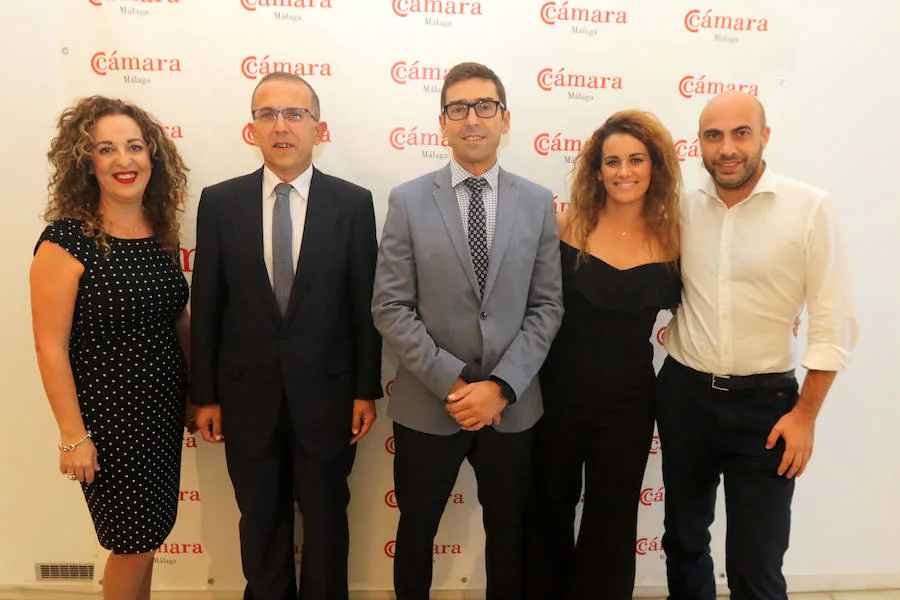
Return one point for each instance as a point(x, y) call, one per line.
point(298, 201)
point(748, 270)
point(458, 175)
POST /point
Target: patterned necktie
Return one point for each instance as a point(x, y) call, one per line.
point(282, 245)
point(478, 229)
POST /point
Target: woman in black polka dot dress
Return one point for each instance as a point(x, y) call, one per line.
point(111, 328)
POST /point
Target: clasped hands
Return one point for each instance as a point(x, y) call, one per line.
point(475, 405)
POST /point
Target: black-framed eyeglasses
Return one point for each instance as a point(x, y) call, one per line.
point(291, 115)
point(484, 109)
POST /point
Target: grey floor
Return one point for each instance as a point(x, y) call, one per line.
point(69, 594)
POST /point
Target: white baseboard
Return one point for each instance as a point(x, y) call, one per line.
point(796, 584)
point(807, 583)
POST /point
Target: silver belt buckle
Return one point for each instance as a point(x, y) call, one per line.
point(716, 387)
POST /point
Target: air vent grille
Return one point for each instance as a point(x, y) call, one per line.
point(64, 572)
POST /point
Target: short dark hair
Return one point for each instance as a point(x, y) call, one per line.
point(471, 70)
point(285, 76)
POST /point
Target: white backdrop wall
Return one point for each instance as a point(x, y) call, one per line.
point(823, 72)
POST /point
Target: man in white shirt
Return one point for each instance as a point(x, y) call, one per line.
point(756, 248)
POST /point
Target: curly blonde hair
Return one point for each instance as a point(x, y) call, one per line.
point(661, 210)
point(75, 192)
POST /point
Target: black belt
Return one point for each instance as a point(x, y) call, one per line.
point(739, 383)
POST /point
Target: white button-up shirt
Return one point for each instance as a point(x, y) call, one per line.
point(748, 270)
point(298, 202)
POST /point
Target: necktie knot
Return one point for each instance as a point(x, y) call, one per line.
point(476, 185)
point(283, 189)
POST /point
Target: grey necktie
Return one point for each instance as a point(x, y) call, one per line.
point(478, 229)
point(282, 244)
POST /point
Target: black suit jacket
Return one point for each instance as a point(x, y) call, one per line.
point(322, 353)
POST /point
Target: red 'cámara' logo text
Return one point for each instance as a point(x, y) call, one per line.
point(189, 496)
point(690, 86)
point(102, 63)
point(554, 12)
point(403, 8)
point(661, 334)
point(390, 549)
point(253, 67)
point(187, 265)
point(401, 138)
point(650, 496)
point(100, 2)
point(686, 150)
point(645, 545)
point(402, 71)
point(390, 499)
point(548, 78)
point(174, 131)
point(175, 548)
point(544, 144)
point(559, 205)
point(695, 20)
point(252, 5)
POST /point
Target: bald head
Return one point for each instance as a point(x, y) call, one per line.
point(735, 104)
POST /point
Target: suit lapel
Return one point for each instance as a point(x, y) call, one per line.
point(322, 216)
point(248, 232)
point(448, 207)
point(506, 216)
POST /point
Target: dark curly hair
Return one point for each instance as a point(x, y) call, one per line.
point(74, 191)
point(661, 210)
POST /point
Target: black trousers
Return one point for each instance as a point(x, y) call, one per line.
point(706, 433)
point(425, 469)
point(264, 487)
point(609, 438)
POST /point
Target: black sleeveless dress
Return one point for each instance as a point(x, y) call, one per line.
point(130, 379)
point(598, 388)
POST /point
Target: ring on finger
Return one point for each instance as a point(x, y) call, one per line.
point(70, 476)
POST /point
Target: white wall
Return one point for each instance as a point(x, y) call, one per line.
point(825, 75)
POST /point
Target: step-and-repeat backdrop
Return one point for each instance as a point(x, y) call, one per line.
point(378, 67)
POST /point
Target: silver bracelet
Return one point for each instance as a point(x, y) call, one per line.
point(69, 447)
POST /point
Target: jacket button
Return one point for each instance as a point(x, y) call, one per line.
point(483, 316)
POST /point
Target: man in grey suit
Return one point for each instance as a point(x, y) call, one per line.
point(468, 295)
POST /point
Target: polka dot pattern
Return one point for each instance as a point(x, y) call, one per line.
point(478, 229)
point(130, 377)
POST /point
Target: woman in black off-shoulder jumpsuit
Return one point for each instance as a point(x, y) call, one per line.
point(598, 380)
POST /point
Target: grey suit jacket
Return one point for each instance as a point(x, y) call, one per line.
point(427, 307)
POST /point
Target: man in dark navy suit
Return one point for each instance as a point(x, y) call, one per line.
point(286, 361)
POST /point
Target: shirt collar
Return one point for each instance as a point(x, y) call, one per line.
point(301, 183)
point(765, 185)
point(458, 174)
